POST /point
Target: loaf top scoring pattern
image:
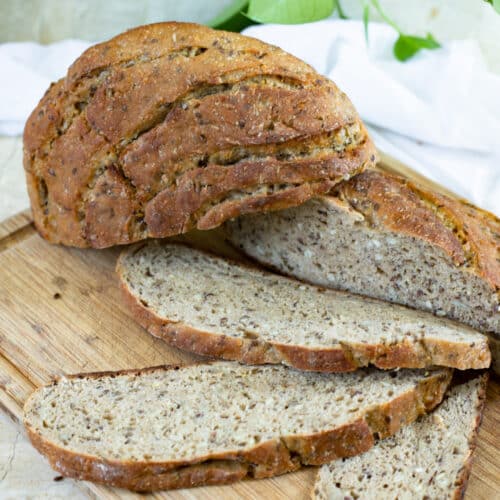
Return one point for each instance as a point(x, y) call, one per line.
point(173, 126)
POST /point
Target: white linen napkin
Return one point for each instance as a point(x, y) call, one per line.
point(28, 69)
point(438, 112)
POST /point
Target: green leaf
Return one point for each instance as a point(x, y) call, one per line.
point(289, 11)
point(384, 16)
point(495, 4)
point(232, 18)
point(366, 18)
point(407, 46)
point(340, 10)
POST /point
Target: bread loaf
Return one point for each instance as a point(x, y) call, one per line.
point(385, 237)
point(216, 307)
point(429, 459)
point(172, 427)
point(174, 126)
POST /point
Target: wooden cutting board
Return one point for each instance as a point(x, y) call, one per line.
point(60, 312)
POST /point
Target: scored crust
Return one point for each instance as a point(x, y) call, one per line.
point(267, 459)
point(343, 358)
point(173, 126)
point(468, 234)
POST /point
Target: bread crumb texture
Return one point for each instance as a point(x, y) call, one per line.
point(382, 236)
point(429, 459)
point(267, 419)
point(176, 288)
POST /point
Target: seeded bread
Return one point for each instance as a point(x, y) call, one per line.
point(216, 307)
point(173, 126)
point(429, 459)
point(172, 427)
point(384, 237)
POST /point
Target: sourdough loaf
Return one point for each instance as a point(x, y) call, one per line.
point(385, 237)
point(172, 427)
point(173, 126)
point(429, 459)
point(217, 307)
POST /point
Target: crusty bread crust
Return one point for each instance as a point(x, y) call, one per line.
point(173, 126)
point(463, 478)
point(468, 234)
point(264, 460)
point(347, 357)
point(465, 237)
point(494, 343)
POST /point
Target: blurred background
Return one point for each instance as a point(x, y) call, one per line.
point(48, 21)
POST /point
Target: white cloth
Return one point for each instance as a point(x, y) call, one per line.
point(27, 71)
point(438, 112)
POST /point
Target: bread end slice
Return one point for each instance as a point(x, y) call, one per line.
point(431, 458)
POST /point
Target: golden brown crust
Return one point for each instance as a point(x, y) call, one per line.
point(469, 235)
point(173, 126)
point(265, 460)
point(390, 201)
point(262, 202)
point(338, 358)
point(479, 232)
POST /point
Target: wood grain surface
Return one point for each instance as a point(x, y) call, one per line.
point(60, 312)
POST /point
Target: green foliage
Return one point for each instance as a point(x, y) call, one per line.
point(232, 17)
point(243, 13)
point(289, 11)
point(366, 19)
point(340, 12)
point(407, 46)
point(495, 4)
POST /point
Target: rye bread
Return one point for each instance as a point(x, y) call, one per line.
point(220, 308)
point(175, 427)
point(173, 126)
point(430, 458)
point(382, 236)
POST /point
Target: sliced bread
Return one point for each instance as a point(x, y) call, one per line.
point(174, 427)
point(384, 237)
point(220, 308)
point(429, 459)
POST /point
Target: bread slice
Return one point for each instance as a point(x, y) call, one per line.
point(173, 126)
point(384, 237)
point(174, 427)
point(220, 308)
point(429, 459)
